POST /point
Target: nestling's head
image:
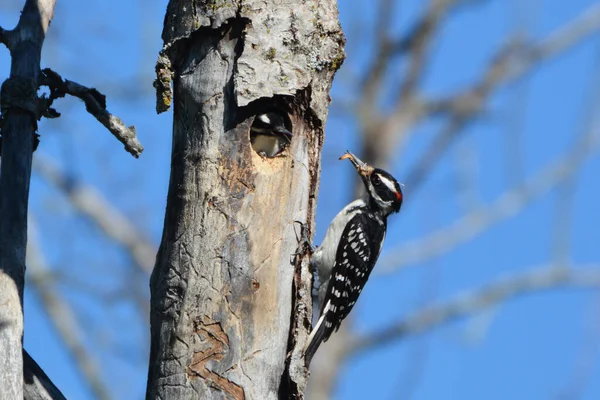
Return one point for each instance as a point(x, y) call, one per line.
point(271, 123)
point(383, 189)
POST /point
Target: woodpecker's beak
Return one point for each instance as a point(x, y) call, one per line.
point(362, 168)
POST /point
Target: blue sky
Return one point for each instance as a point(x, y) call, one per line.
point(527, 348)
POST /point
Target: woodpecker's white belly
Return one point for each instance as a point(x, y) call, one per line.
point(324, 255)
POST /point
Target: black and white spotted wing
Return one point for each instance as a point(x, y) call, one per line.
point(356, 255)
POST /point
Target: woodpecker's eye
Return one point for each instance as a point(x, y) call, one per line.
point(375, 179)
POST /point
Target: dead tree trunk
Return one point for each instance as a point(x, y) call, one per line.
point(227, 304)
point(18, 121)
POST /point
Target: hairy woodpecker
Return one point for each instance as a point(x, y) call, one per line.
point(268, 134)
point(350, 249)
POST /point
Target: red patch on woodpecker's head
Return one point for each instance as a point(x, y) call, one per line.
point(399, 196)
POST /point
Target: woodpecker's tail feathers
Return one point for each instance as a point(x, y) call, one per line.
point(314, 341)
point(316, 337)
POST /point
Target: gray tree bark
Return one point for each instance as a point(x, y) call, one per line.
point(19, 123)
point(229, 313)
point(36, 384)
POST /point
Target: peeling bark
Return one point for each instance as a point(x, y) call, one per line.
point(230, 313)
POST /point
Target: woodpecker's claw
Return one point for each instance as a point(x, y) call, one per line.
point(304, 236)
point(304, 244)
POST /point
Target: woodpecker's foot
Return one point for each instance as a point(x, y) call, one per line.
point(303, 240)
point(304, 244)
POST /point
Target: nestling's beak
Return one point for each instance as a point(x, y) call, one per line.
point(362, 168)
point(283, 131)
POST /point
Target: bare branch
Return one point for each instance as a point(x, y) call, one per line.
point(372, 81)
point(467, 227)
point(584, 364)
point(565, 37)
point(512, 62)
point(94, 206)
point(385, 16)
point(95, 104)
point(509, 203)
point(468, 304)
point(407, 107)
point(417, 43)
point(5, 38)
point(414, 43)
point(62, 316)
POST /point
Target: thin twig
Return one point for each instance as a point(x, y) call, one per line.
point(95, 104)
